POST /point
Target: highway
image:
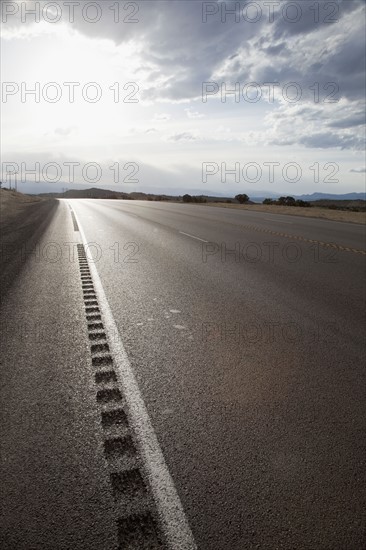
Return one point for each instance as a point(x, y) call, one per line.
point(245, 334)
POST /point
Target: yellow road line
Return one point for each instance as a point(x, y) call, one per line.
point(299, 238)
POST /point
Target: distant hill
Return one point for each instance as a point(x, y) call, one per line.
point(51, 189)
point(330, 196)
point(313, 197)
point(97, 193)
point(92, 193)
point(80, 191)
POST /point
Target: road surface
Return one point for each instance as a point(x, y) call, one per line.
point(245, 333)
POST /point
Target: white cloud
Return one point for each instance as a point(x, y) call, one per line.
point(191, 113)
point(169, 53)
point(183, 136)
point(161, 116)
point(64, 132)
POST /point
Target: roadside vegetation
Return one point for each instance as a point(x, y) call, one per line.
point(288, 201)
point(351, 206)
point(193, 198)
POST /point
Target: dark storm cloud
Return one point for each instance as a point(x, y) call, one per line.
point(308, 16)
point(358, 170)
point(179, 45)
point(357, 119)
point(179, 52)
point(331, 141)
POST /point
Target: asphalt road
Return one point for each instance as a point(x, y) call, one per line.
point(246, 336)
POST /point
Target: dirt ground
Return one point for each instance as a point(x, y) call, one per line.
point(13, 203)
point(313, 212)
point(22, 220)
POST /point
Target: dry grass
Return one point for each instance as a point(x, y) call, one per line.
point(13, 203)
point(313, 212)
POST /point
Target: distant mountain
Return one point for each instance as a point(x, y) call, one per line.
point(46, 188)
point(257, 195)
point(330, 196)
point(313, 197)
point(90, 193)
point(256, 199)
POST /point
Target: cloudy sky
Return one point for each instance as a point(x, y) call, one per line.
point(176, 95)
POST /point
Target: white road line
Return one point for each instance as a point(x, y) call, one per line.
point(193, 237)
point(170, 509)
